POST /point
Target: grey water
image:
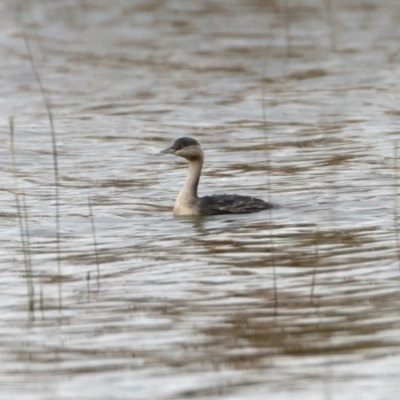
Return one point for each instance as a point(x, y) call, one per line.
point(293, 102)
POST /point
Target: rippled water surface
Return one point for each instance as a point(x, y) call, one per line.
point(293, 102)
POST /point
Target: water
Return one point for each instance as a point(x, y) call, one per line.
point(298, 302)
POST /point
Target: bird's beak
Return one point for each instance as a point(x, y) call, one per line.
point(168, 151)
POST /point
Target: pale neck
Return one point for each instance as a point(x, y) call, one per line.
point(193, 177)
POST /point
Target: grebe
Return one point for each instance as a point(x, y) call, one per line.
point(189, 204)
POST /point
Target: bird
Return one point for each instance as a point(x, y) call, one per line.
point(188, 203)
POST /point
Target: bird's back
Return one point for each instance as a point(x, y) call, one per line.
point(231, 204)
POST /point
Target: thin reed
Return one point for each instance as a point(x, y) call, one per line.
point(23, 224)
point(47, 104)
point(395, 213)
point(96, 253)
point(266, 137)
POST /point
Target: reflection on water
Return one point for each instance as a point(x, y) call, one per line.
point(301, 300)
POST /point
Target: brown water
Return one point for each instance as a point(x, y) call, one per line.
point(300, 302)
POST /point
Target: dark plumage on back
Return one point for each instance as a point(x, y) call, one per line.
point(231, 204)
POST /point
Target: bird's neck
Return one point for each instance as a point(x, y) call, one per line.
point(186, 202)
point(189, 190)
